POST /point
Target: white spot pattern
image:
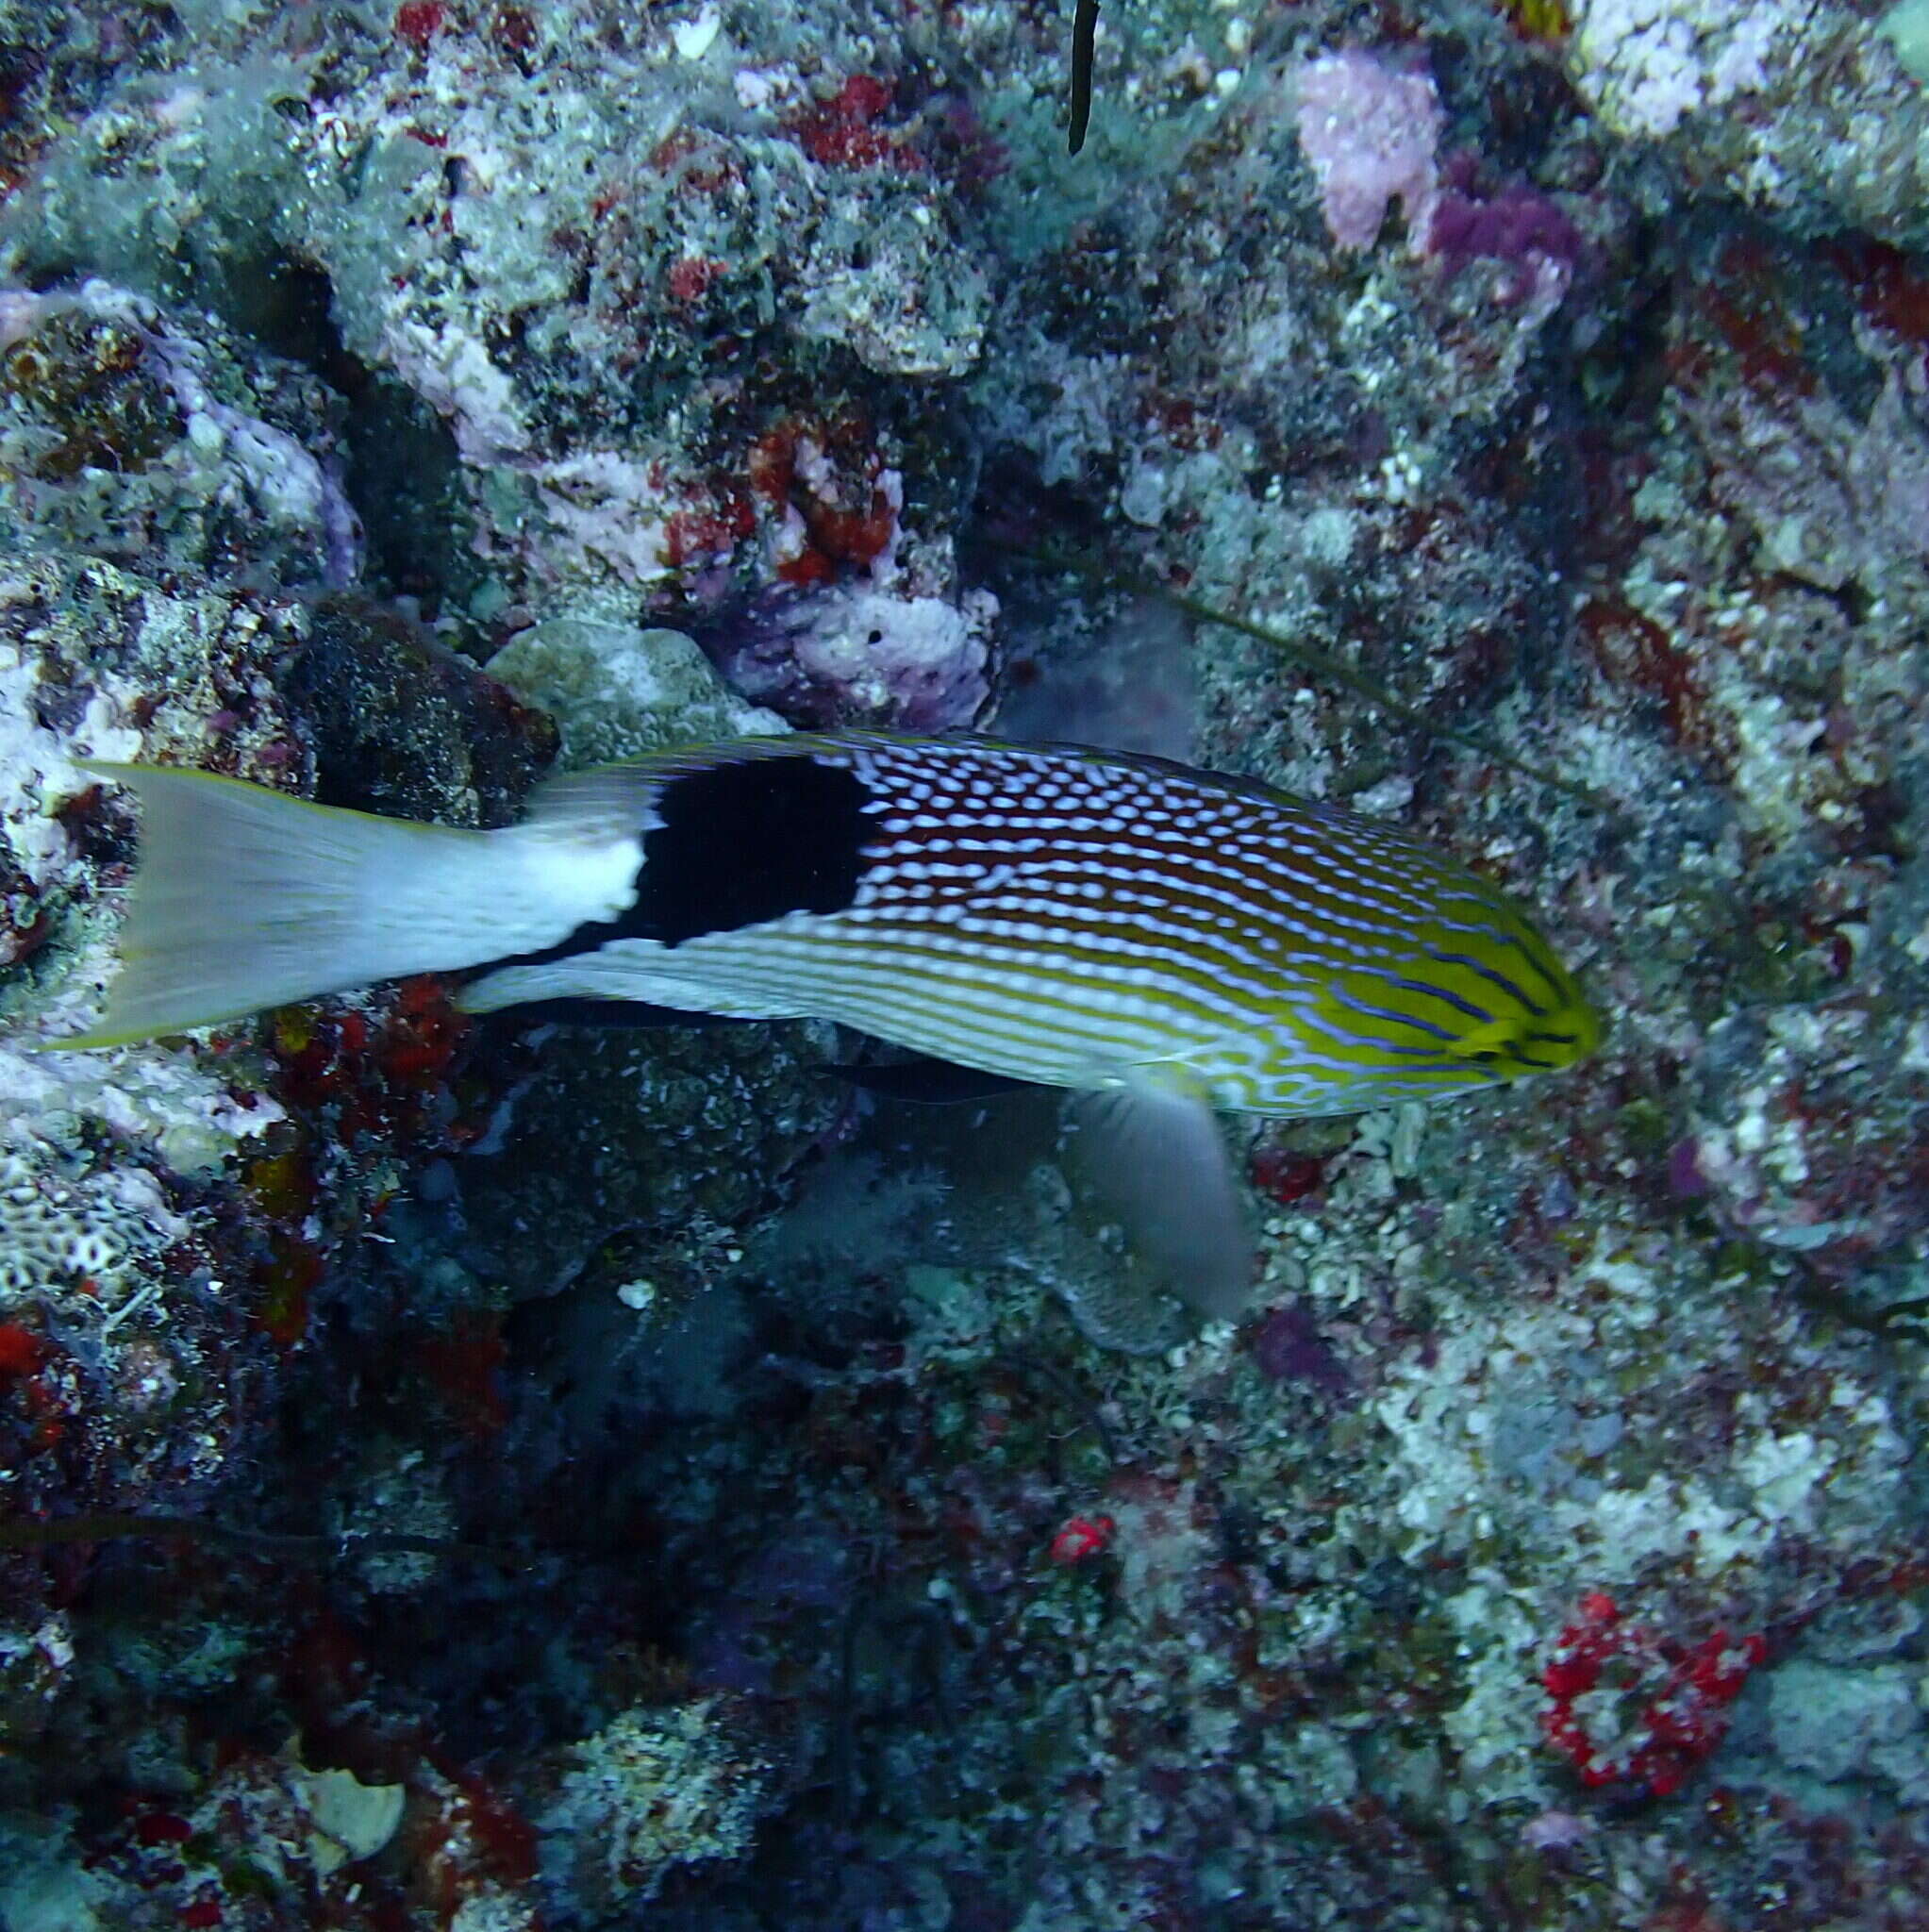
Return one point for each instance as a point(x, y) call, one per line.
point(1053, 915)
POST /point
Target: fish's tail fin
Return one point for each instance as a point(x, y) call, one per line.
point(245, 898)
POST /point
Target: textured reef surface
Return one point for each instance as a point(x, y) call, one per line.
point(475, 1476)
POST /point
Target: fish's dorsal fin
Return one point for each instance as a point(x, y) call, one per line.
point(1149, 1143)
point(603, 801)
point(617, 798)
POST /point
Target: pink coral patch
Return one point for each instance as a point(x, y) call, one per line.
point(1368, 133)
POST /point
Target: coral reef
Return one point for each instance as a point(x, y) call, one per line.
point(463, 1475)
point(127, 438)
point(1811, 112)
point(650, 1790)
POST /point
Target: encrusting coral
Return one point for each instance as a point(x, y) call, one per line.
point(635, 1474)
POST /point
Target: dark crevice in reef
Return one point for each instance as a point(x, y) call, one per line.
point(285, 307)
point(400, 467)
point(405, 481)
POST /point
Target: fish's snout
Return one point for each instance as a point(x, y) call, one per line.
point(1543, 1042)
point(1589, 1030)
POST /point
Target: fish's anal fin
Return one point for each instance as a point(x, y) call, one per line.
point(926, 1081)
point(584, 1011)
point(1148, 1142)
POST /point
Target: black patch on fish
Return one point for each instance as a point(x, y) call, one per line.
point(744, 844)
point(739, 844)
point(934, 1082)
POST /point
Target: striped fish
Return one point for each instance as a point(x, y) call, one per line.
point(1163, 941)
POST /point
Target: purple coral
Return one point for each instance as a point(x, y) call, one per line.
point(1288, 1346)
point(1368, 132)
point(1515, 224)
point(853, 655)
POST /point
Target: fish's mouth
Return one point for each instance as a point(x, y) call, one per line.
point(1523, 1044)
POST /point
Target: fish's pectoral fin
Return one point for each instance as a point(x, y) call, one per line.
point(1149, 1144)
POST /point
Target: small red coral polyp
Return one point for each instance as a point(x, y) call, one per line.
point(377, 1076)
point(460, 1841)
point(513, 30)
point(692, 275)
point(833, 481)
point(1285, 1177)
point(161, 1828)
point(418, 22)
point(465, 1366)
point(1629, 1708)
point(1082, 1536)
point(838, 133)
point(21, 1350)
point(711, 532)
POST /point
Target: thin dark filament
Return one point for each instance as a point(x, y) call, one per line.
point(1085, 22)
